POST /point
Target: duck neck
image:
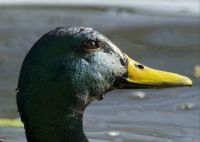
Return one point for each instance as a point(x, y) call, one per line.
point(56, 128)
point(74, 127)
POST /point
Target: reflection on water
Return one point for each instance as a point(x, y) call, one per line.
point(169, 43)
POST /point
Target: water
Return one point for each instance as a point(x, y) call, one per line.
point(164, 41)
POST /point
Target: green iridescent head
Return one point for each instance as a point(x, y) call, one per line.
point(68, 68)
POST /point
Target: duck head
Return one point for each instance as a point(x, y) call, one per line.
point(68, 68)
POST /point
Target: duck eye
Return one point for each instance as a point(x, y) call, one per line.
point(97, 44)
point(90, 44)
point(140, 66)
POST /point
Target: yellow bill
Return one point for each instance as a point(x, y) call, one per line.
point(141, 76)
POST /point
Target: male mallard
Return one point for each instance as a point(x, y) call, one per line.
point(68, 68)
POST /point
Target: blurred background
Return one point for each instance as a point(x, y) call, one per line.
point(163, 34)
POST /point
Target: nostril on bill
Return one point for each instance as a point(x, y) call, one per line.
point(140, 66)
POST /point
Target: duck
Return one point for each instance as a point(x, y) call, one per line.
point(67, 69)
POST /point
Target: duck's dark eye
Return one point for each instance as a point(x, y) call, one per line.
point(90, 44)
point(97, 44)
point(140, 66)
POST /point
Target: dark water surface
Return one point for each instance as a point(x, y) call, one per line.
point(160, 41)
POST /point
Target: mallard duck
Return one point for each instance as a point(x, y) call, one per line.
point(65, 71)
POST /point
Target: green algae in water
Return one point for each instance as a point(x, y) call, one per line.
point(197, 71)
point(11, 123)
